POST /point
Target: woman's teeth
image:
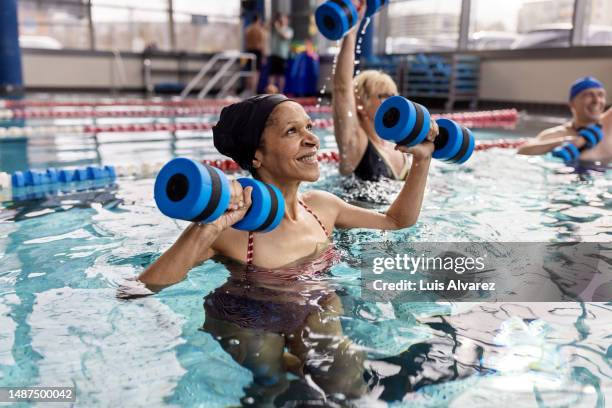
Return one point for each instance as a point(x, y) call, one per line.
point(308, 159)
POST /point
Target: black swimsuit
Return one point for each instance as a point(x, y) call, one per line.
point(372, 167)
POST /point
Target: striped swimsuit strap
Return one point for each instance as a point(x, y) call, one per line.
point(249, 257)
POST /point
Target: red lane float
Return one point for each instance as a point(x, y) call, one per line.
point(8, 114)
point(13, 104)
point(32, 131)
point(506, 118)
point(28, 131)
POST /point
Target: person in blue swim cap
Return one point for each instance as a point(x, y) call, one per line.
point(587, 102)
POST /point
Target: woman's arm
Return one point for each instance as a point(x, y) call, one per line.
point(350, 140)
point(193, 247)
point(196, 244)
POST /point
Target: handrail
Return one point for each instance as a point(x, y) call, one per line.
point(231, 57)
point(119, 67)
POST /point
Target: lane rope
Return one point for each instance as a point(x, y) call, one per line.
point(328, 156)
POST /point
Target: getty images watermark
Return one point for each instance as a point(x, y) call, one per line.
point(487, 271)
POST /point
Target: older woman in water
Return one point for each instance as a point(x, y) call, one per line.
point(283, 322)
point(271, 136)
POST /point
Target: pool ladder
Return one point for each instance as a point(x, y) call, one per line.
point(230, 58)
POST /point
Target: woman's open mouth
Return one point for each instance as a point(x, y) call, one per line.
point(310, 158)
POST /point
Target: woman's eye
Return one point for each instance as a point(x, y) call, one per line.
point(291, 130)
point(309, 126)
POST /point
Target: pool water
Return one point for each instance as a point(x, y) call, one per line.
point(62, 262)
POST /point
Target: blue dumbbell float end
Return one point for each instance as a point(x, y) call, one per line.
point(267, 207)
point(335, 18)
point(566, 152)
point(454, 143)
point(592, 134)
point(188, 190)
point(402, 121)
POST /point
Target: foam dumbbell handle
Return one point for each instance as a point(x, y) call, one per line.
point(188, 190)
point(454, 142)
point(566, 152)
point(267, 207)
point(335, 18)
point(402, 121)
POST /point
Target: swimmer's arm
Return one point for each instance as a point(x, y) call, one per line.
point(403, 213)
point(548, 140)
point(606, 118)
point(193, 247)
point(197, 243)
point(350, 139)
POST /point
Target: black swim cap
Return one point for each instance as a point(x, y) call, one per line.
point(238, 132)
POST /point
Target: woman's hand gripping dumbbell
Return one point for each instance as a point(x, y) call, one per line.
point(191, 191)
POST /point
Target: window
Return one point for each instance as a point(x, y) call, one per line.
point(520, 24)
point(423, 25)
point(598, 23)
point(207, 26)
point(130, 29)
point(149, 4)
point(46, 24)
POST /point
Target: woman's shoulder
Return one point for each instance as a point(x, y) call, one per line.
point(318, 197)
point(322, 202)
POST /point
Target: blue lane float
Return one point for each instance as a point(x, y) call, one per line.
point(33, 178)
point(407, 123)
point(188, 190)
point(38, 184)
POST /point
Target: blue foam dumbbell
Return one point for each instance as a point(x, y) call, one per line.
point(567, 152)
point(407, 123)
point(335, 18)
point(592, 134)
point(191, 191)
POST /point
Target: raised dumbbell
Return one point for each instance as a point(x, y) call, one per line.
point(188, 190)
point(407, 123)
point(335, 18)
point(568, 152)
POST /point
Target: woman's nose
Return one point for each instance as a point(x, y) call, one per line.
point(311, 139)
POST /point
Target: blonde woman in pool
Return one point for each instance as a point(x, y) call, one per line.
point(354, 103)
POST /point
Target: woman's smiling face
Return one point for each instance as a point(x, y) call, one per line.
point(288, 150)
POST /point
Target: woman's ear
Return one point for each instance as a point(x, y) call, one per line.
point(257, 159)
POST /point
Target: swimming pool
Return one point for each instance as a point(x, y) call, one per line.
point(62, 262)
